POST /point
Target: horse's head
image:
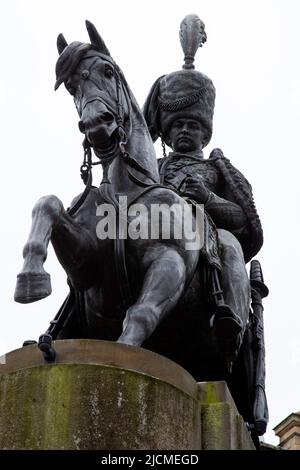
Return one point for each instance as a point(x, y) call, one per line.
point(95, 81)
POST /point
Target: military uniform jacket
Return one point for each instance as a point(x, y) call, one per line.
point(224, 180)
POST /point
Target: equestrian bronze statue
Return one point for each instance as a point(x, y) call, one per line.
point(187, 297)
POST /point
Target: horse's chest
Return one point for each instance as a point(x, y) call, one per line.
point(100, 219)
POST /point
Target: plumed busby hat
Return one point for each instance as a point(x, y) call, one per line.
point(183, 94)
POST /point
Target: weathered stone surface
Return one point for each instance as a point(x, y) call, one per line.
point(222, 426)
point(83, 351)
point(110, 404)
point(244, 441)
point(216, 392)
point(96, 406)
point(216, 427)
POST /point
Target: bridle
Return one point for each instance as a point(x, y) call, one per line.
point(121, 136)
point(122, 95)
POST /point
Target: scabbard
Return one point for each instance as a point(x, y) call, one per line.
point(260, 405)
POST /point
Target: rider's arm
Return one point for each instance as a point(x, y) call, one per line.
point(225, 214)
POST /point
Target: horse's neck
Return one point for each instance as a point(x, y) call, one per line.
point(118, 177)
point(140, 148)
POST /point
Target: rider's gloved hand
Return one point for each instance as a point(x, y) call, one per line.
point(195, 189)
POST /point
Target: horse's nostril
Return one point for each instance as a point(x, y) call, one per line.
point(107, 117)
point(81, 126)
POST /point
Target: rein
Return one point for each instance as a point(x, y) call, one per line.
point(86, 175)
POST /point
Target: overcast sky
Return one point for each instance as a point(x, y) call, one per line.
point(252, 55)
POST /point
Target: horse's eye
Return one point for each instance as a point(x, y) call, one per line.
point(109, 72)
point(85, 74)
point(70, 87)
point(72, 90)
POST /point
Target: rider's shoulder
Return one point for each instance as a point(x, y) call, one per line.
point(217, 154)
point(223, 163)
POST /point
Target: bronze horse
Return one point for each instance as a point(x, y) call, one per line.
point(143, 292)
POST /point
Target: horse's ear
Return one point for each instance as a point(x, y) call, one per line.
point(61, 43)
point(96, 40)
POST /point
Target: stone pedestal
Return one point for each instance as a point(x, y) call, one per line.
point(104, 395)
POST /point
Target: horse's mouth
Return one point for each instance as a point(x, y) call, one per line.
point(106, 147)
point(103, 138)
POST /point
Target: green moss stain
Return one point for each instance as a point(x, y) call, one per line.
point(211, 393)
point(85, 406)
point(59, 383)
point(35, 408)
point(216, 426)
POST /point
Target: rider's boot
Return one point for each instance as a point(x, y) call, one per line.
point(228, 329)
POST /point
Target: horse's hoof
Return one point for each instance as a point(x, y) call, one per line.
point(32, 287)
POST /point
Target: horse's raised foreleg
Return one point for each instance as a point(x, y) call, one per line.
point(163, 285)
point(71, 242)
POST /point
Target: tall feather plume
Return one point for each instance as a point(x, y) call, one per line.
point(61, 43)
point(192, 35)
point(96, 40)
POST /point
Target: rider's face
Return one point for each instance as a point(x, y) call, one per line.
point(186, 135)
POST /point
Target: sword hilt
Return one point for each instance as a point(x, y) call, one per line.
point(257, 279)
